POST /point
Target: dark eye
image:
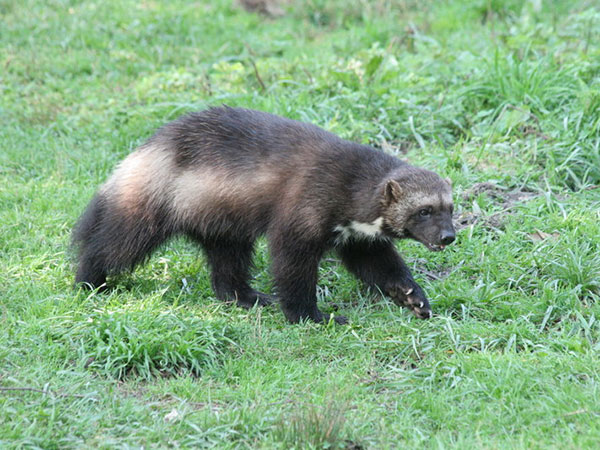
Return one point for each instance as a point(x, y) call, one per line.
point(425, 213)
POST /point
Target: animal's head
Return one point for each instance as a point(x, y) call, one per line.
point(417, 204)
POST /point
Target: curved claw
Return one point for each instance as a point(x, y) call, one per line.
point(411, 298)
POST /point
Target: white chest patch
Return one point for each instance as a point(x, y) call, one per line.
point(359, 229)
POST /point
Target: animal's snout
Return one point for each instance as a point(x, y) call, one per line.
point(447, 237)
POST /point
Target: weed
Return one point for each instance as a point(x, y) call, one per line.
point(313, 427)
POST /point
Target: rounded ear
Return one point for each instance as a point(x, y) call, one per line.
point(392, 192)
point(449, 181)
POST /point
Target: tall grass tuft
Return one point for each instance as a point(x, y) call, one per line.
point(314, 427)
point(145, 344)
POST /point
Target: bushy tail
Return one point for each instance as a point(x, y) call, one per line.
point(91, 268)
point(110, 239)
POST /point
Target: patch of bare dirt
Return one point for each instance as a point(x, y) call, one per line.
point(420, 265)
point(507, 199)
point(269, 8)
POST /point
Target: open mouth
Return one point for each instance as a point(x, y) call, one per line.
point(429, 245)
point(434, 247)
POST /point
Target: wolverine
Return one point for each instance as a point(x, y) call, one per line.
point(225, 176)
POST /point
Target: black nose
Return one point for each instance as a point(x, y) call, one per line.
point(447, 237)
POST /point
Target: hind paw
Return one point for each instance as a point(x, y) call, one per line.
point(256, 298)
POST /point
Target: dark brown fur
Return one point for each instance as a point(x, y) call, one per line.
point(225, 176)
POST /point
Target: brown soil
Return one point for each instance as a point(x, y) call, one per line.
point(505, 198)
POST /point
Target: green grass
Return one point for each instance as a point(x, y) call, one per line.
point(503, 92)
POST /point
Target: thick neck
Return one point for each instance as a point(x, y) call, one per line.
point(367, 202)
point(368, 169)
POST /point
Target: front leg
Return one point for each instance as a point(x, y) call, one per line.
point(295, 264)
point(378, 264)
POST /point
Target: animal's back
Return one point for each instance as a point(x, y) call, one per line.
point(243, 139)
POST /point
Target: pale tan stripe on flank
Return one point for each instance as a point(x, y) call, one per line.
point(143, 176)
point(198, 191)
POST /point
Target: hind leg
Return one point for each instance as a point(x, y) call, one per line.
point(230, 263)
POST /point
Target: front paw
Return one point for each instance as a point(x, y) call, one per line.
point(411, 296)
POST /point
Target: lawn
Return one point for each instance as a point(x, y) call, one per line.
point(502, 96)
